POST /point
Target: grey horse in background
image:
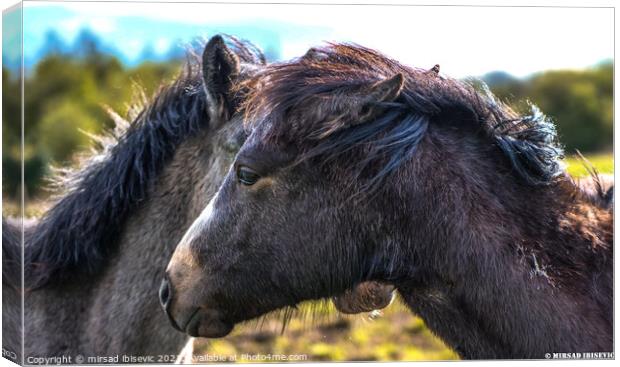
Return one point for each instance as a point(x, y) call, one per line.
point(94, 261)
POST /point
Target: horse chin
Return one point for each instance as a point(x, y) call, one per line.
point(208, 323)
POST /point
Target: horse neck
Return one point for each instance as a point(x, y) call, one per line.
point(145, 246)
point(496, 267)
point(102, 325)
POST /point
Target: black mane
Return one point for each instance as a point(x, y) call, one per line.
point(529, 142)
point(76, 235)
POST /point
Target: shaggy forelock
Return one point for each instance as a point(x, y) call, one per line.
point(294, 95)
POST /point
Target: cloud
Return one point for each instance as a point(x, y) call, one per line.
point(162, 45)
point(102, 25)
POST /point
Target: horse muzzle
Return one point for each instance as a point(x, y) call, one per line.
point(186, 301)
point(193, 320)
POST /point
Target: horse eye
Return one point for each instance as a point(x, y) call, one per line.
point(247, 176)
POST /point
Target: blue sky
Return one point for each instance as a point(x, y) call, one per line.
point(11, 36)
point(463, 40)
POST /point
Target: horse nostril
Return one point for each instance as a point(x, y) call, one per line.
point(165, 293)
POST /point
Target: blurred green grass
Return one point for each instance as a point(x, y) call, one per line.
point(323, 334)
point(603, 162)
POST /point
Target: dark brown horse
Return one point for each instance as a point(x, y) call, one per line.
point(358, 168)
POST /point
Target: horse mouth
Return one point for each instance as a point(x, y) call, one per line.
point(207, 323)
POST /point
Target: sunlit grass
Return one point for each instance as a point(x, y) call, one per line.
point(34, 209)
point(396, 335)
point(603, 162)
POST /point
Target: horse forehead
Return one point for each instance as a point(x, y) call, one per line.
point(262, 150)
point(256, 148)
point(259, 130)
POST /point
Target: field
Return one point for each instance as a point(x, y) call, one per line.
point(319, 333)
point(324, 335)
point(604, 163)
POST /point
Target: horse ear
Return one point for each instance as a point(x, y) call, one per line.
point(360, 106)
point(388, 89)
point(384, 91)
point(220, 67)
